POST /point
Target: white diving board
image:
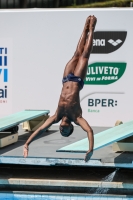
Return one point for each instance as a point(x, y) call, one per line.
point(101, 139)
point(19, 117)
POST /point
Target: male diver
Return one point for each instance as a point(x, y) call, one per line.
point(69, 109)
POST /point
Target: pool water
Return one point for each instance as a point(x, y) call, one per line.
point(31, 196)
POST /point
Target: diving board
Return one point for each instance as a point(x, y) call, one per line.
point(9, 124)
point(19, 117)
point(101, 139)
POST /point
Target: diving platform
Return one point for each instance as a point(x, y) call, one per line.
point(101, 139)
point(43, 150)
point(9, 125)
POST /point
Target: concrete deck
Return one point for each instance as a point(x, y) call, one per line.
point(42, 151)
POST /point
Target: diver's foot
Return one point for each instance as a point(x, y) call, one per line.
point(87, 23)
point(93, 21)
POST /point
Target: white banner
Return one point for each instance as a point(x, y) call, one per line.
point(45, 40)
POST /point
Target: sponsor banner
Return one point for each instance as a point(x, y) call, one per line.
point(108, 41)
point(103, 108)
point(104, 73)
point(5, 77)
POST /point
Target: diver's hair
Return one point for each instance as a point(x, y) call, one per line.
point(72, 128)
point(64, 134)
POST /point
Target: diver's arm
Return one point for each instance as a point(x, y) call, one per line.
point(51, 120)
point(86, 127)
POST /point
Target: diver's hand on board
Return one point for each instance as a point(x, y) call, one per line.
point(25, 150)
point(88, 155)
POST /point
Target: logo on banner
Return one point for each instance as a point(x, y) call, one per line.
point(108, 41)
point(102, 102)
point(104, 73)
point(96, 103)
point(115, 43)
point(3, 75)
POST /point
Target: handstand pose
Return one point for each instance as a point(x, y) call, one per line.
point(69, 109)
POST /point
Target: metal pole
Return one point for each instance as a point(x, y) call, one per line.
point(131, 4)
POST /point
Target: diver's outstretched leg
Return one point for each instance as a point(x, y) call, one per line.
point(71, 65)
point(82, 64)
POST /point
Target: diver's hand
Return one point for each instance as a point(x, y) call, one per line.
point(25, 150)
point(88, 155)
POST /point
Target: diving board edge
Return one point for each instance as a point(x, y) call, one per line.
point(126, 130)
point(43, 112)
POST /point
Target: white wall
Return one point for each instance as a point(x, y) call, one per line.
point(41, 42)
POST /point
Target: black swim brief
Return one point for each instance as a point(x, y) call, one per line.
point(72, 77)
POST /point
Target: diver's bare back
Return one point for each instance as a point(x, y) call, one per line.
point(69, 102)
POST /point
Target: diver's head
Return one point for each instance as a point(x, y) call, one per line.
point(66, 128)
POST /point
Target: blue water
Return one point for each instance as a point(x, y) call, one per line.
point(21, 196)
